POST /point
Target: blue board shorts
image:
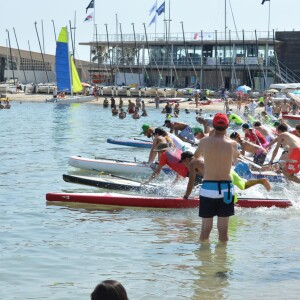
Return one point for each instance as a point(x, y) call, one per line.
point(216, 199)
point(187, 133)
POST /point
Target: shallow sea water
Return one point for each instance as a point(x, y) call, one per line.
point(51, 251)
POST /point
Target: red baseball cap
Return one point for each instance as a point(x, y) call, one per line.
point(220, 120)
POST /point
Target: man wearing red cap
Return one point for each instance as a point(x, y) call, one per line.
point(217, 193)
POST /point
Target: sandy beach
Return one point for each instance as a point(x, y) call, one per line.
point(215, 106)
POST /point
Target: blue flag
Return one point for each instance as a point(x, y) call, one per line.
point(153, 20)
point(153, 8)
point(161, 9)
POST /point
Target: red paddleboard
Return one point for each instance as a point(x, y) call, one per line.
point(291, 117)
point(154, 202)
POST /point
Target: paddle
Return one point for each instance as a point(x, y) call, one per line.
point(247, 160)
point(136, 139)
point(280, 161)
point(121, 177)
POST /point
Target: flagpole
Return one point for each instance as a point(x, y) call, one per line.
point(269, 19)
point(169, 54)
point(94, 14)
point(225, 18)
point(155, 21)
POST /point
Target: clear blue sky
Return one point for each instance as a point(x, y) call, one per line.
point(197, 15)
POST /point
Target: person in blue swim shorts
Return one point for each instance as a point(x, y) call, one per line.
point(217, 191)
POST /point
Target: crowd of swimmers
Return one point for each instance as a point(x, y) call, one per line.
point(5, 105)
point(135, 108)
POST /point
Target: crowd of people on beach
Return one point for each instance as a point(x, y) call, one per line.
point(206, 153)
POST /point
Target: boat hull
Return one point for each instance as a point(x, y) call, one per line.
point(71, 99)
point(154, 202)
point(130, 143)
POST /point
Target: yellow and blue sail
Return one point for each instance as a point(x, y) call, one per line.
point(66, 73)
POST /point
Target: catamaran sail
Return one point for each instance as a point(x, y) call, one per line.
point(66, 73)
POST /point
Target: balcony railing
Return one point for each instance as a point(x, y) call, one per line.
point(189, 36)
point(196, 62)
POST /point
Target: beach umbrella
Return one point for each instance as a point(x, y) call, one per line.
point(272, 91)
point(296, 92)
point(244, 88)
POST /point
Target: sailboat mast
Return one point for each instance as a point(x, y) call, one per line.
point(41, 51)
point(21, 61)
point(110, 59)
point(11, 61)
point(149, 56)
point(54, 31)
point(74, 28)
point(123, 57)
point(72, 44)
point(138, 54)
point(43, 36)
point(33, 67)
point(70, 69)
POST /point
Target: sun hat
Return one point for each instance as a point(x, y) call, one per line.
point(186, 154)
point(162, 147)
point(145, 127)
point(220, 120)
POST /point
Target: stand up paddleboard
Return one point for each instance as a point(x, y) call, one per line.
point(130, 143)
point(120, 184)
point(154, 202)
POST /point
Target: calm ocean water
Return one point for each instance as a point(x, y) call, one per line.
point(62, 252)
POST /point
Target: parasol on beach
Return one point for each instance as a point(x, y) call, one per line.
point(296, 92)
point(244, 88)
point(295, 98)
point(272, 91)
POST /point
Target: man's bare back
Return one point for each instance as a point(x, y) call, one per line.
point(248, 147)
point(218, 152)
point(289, 140)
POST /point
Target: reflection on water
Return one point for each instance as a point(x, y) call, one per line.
point(62, 250)
point(213, 272)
